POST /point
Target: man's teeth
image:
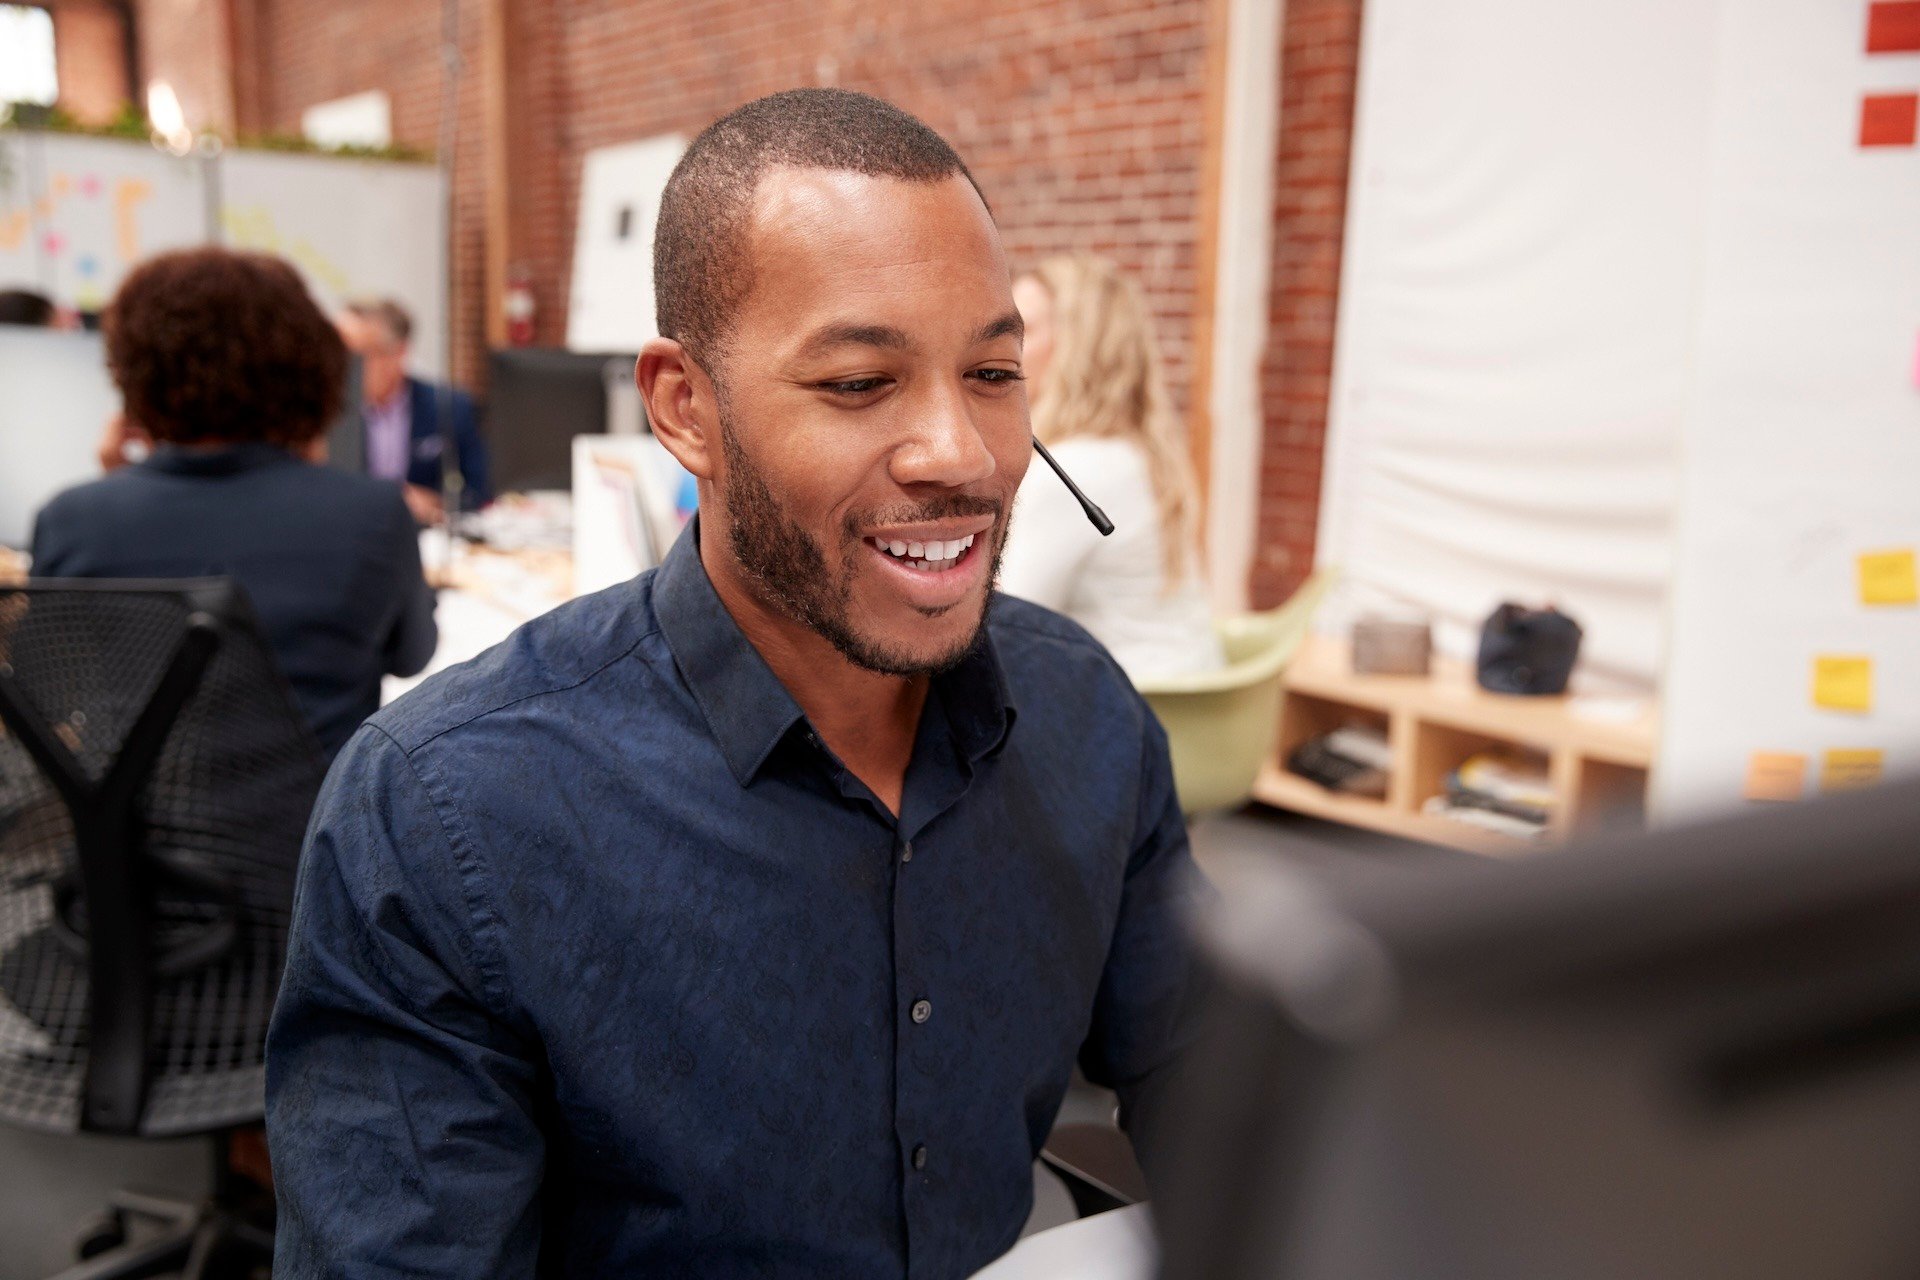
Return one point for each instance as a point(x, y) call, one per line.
point(926, 555)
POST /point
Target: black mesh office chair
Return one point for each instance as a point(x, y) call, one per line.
point(155, 782)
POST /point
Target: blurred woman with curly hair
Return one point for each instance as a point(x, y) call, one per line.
point(232, 374)
point(1100, 405)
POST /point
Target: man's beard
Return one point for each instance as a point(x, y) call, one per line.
point(792, 571)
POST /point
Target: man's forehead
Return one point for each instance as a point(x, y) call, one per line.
point(832, 249)
point(838, 213)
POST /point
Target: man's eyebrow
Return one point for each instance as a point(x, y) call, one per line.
point(1009, 325)
point(856, 335)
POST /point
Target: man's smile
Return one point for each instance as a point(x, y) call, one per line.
point(934, 565)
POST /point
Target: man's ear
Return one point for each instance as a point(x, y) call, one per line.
point(681, 405)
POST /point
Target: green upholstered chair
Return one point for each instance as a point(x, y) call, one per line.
point(1222, 724)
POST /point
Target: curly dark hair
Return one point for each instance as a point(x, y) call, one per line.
point(213, 346)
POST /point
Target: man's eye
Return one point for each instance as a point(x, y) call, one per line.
point(999, 376)
point(853, 386)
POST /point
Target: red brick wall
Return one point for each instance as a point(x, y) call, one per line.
point(1320, 56)
point(1082, 118)
point(90, 52)
point(187, 43)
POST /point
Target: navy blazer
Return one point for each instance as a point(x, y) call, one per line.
point(427, 444)
point(330, 561)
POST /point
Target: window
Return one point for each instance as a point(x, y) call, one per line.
point(26, 56)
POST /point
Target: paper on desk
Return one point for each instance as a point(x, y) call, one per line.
point(1108, 1246)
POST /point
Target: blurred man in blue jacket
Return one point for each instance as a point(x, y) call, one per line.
point(402, 414)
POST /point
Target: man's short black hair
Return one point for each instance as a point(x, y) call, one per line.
point(700, 266)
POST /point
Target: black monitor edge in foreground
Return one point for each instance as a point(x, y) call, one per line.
point(1691, 1053)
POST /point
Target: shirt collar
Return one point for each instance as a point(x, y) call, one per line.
point(749, 711)
point(226, 461)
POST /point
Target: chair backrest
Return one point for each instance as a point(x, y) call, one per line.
point(1221, 725)
point(155, 783)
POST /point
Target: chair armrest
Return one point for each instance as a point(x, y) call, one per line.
point(1096, 1163)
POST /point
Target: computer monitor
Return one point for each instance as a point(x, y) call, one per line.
point(538, 400)
point(56, 397)
point(1691, 1054)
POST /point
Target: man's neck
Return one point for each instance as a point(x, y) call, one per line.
point(869, 720)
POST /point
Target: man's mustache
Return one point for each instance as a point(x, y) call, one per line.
point(942, 508)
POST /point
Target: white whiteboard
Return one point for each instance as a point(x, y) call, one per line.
point(1515, 315)
point(354, 228)
point(610, 305)
point(77, 214)
point(1802, 445)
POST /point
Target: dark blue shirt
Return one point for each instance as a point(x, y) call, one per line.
point(603, 965)
point(331, 562)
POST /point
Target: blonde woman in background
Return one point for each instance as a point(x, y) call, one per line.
point(1100, 406)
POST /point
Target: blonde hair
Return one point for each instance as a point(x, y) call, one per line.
point(1104, 381)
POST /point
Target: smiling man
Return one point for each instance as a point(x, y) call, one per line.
point(748, 918)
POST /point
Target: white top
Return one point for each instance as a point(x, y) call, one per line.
point(1111, 586)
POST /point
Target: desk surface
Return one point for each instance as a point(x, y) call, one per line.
point(484, 596)
point(1108, 1246)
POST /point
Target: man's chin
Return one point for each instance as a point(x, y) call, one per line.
point(910, 649)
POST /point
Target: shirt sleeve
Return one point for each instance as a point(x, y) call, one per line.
point(1048, 542)
point(1145, 1014)
point(415, 634)
point(51, 549)
point(400, 1103)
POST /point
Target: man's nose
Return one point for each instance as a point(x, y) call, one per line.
point(945, 446)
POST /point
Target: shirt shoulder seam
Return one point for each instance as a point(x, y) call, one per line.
point(444, 730)
point(466, 867)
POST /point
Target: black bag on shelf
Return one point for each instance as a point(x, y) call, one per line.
point(1529, 651)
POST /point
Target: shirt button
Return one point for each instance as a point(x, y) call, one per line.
point(922, 1010)
point(920, 1156)
point(906, 852)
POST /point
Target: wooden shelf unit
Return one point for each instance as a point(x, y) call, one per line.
point(1433, 723)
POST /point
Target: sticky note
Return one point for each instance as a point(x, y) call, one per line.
point(1887, 577)
point(1775, 775)
point(1843, 682)
point(1893, 26)
point(1850, 769)
point(1889, 119)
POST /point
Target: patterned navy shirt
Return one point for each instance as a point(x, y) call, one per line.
point(603, 965)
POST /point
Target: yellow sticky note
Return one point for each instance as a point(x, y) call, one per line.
point(1843, 682)
point(1775, 775)
point(1887, 577)
point(1851, 769)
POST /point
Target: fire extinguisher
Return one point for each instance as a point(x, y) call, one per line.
point(519, 306)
